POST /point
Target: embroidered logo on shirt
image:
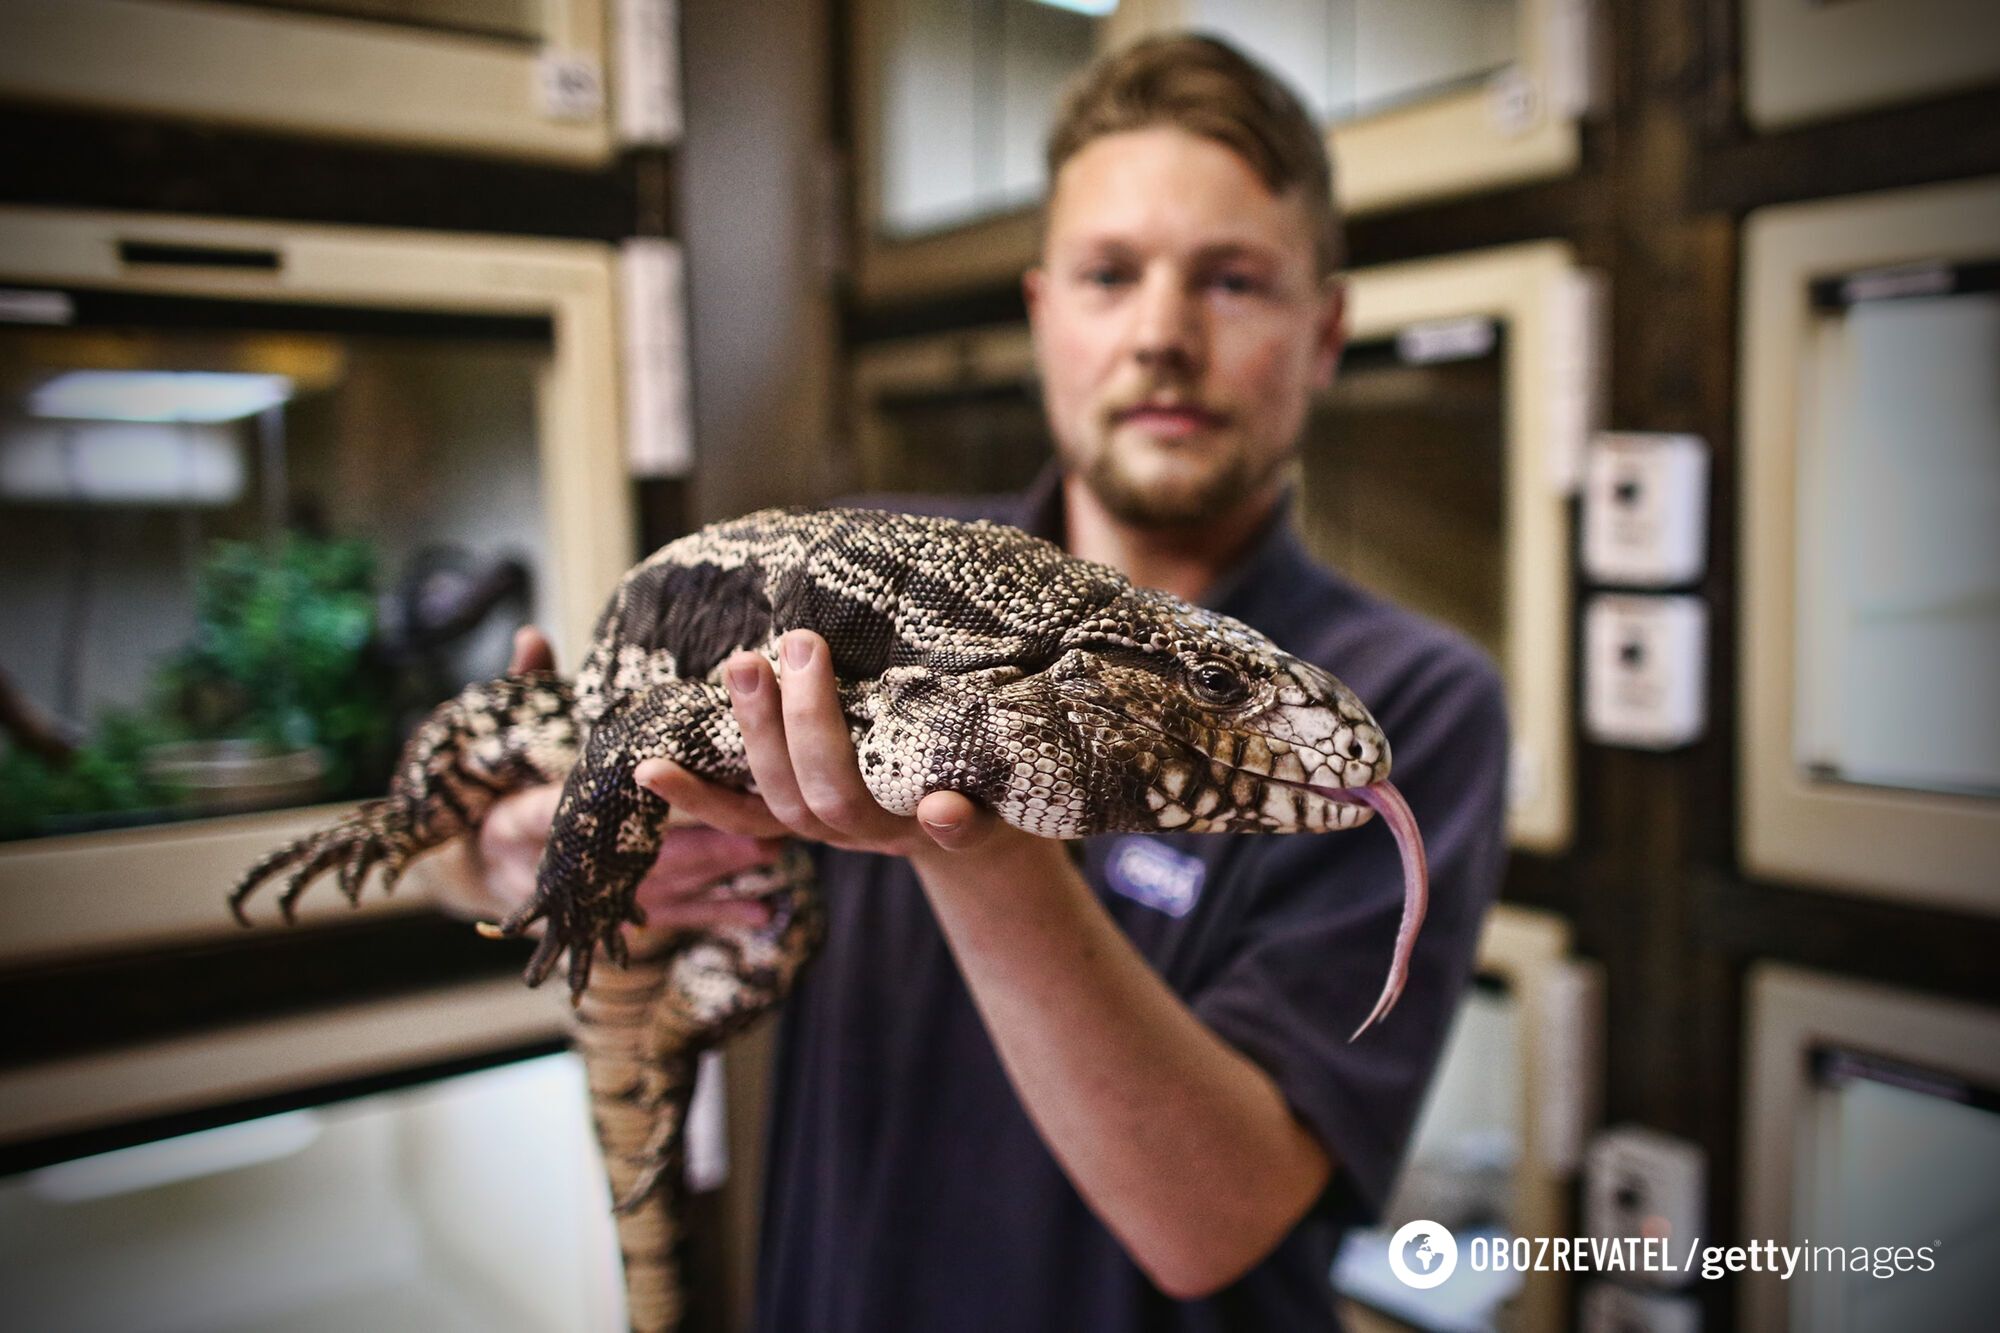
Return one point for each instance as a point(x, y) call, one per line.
point(1156, 875)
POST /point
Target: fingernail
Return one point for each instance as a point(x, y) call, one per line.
point(798, 652)
point(939, 826)
point(741, 678)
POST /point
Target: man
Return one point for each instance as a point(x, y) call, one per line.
point(1023, 1088)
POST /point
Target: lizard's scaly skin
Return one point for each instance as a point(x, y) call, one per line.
point(970, 657)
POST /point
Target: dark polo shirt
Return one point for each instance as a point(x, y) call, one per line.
point(907, 1189)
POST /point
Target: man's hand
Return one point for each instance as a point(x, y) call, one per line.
point(808, 780)
point(675, 895)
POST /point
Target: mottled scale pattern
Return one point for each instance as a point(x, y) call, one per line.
point(971, 657)
point(495, 737)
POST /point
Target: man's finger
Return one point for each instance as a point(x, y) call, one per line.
point(822, 752)
point(954, 821)
point(531, 652)
point(753, 697)
point(708, 803)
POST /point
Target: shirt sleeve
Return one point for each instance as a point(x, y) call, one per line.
point(1314, 945)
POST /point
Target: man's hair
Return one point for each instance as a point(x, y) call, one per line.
point(1207, 88)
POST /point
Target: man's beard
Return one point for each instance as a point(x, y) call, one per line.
point(1177, 502)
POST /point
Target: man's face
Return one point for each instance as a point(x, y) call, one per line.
point(1180, 325)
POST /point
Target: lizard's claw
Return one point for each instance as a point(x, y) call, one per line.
point(354, 870)
point(380, 832)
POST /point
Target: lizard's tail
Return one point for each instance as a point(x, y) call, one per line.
point(639, 1093)
point(640, 1027)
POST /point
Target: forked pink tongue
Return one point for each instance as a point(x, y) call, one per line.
point(1386, 801)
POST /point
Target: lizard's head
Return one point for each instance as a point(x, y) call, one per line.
point(1219, 730)
point(1203, 725)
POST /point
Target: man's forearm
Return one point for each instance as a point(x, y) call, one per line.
point(1181, 1145)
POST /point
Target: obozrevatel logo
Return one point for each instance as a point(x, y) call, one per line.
point(1422, 1254)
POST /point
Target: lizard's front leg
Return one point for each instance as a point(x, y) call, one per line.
point(495, 737)
point(607, 828)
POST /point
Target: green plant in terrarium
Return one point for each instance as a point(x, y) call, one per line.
point(104, 777)
point(281, 654)
point(283, 660)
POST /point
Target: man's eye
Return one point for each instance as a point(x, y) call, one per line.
point(1103, 276)
point(1217, 684)
point(1236, 284)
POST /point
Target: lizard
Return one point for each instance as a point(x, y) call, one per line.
point(969, 657)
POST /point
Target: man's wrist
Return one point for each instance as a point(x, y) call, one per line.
point(1006, 866)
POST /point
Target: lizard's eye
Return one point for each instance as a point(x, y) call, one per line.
point(1216, 683)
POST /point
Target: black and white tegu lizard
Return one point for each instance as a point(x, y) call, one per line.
point(970, 657)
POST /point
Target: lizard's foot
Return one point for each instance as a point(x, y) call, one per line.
point(379, 833)
point(579, 924)
point(495, 737)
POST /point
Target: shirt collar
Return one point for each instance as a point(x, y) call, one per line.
point(1038, 511)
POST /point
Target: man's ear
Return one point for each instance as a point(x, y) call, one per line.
point(1329, 332)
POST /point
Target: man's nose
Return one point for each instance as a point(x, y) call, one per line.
point(1167, 333)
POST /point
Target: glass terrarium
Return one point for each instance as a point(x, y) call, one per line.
point(1351, 58)
point(1871, 572)
point(1403, 484)
point(1898, 575)
point(977, 442)
point(967, 93)
point(952, 414)
point(1494, 1150)
point(1460, 1172)
point(1897, 1163)
point(267, 493)
point(1871, 1136)
point(246, 546)
point(374, 1211)
point(512, 78)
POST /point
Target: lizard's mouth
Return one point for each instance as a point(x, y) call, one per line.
point(1377, 798)
point(1387, 802)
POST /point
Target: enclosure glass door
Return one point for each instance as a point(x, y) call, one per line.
point(246, 547)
